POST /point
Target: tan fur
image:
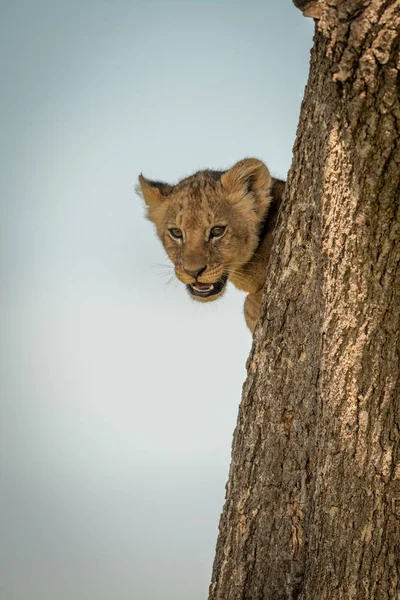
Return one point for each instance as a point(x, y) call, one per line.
point(239, 200)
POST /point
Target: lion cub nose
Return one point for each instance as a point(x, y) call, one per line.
point(195, 272)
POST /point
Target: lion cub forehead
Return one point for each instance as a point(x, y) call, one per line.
point(195, 200)
point(191, 213)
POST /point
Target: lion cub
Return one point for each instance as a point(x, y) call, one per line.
point(217, 226)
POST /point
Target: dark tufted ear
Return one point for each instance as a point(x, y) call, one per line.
point(247, 175)
point(153, 192)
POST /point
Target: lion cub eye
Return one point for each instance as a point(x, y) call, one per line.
point(217, 231)
point(176, 233)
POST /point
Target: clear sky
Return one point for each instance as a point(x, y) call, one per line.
point(119, 394)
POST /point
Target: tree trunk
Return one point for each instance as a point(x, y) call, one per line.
point(312, 506)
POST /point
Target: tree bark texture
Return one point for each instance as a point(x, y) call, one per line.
point(312, 507)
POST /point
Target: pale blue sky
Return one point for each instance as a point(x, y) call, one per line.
point(118, 394)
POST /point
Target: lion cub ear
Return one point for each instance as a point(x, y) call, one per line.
point(154, 193)
point(246, 176)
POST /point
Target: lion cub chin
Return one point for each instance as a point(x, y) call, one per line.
point(216, 226)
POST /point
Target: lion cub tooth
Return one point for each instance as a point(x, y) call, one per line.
point(203, 287)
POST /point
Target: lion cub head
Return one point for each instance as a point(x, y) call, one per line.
point(209, 223)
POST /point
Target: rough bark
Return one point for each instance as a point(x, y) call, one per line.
point(312, 507)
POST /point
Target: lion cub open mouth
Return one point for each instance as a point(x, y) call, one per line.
point(205, 290)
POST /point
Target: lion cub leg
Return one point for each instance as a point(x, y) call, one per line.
point(251, 308)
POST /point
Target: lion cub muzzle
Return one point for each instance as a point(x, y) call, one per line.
point(195, 272)
point(207, 283)
point(208, 291)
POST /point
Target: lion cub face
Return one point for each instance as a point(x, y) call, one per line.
point(209, 223)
